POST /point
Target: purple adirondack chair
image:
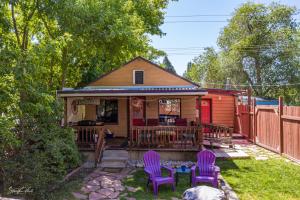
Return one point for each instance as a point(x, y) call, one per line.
point(153, 170)
point(208, 171)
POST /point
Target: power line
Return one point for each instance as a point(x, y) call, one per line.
point(209, 15)
point(199, 15)
point(196, 21)
point(256, 85)
point(216, 21)
point(249, 46)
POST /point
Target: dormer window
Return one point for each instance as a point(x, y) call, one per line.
point(138, 77)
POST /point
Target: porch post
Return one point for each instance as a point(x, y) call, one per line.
point(199, 139)
point(129, 122)
point(65, 111)
point(199, 109)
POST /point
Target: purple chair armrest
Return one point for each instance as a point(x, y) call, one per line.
point(193, 169)
point(170, 169)
point(217, 169)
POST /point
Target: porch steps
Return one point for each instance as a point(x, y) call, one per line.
point(114, 159)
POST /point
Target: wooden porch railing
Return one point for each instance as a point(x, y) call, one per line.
point(216, 133)
point(87, 136)
point(166, 137)
point(90, 138)
point(99, 147)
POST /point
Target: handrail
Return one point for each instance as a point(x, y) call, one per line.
point(99, 146)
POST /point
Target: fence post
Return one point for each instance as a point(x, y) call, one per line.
point(249, 113)
point(280, 112)
point(254, 120)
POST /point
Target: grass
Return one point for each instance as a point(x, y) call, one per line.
point(262, 179)
point(251, 179)
point(139, 181)
point(64, 191)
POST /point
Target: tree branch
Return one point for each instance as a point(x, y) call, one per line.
point(47, 27)
point(25, 29)
point(15, 23)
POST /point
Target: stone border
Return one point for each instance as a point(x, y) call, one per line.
point(230, 194)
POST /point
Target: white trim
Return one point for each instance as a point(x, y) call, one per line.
point(133, 78)
point(131, 94)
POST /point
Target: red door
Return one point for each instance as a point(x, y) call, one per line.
point(205, 111)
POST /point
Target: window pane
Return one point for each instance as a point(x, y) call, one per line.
point(107, 111)
point(139, 77)
point(169, 110)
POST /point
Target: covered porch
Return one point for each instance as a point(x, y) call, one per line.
point(146, 117)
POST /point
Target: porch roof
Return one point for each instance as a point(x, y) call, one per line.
point(185, 90)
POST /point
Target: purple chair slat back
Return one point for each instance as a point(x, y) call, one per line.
point(206, 162)
point(152, 162)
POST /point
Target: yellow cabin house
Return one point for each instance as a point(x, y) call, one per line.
point(147, 106)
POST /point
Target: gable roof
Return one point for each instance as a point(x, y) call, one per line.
point(148, 61)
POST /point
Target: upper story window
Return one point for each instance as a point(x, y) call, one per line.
point(138, 77)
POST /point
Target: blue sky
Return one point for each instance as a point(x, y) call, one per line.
point(197, 35)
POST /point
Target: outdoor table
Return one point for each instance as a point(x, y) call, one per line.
point(186, 171)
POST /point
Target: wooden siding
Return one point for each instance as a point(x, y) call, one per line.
point(153, 76)
point(222, 109)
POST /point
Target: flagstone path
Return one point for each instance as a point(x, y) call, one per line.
point(104, 185)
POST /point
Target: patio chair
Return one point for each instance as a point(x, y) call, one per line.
point(153, 170)
point(180, 122)
point(152, 122)
point(208, 171)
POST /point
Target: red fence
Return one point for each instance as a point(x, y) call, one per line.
point(274, 127)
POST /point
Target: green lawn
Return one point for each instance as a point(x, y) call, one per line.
point(251, 179)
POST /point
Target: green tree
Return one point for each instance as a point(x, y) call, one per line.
point(259, 47)
point(47, 45)
point(168, 65)
point(206, 69)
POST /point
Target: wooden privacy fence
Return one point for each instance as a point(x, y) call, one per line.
point(276, 128)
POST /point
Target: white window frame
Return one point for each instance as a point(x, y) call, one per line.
point(133, 74)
